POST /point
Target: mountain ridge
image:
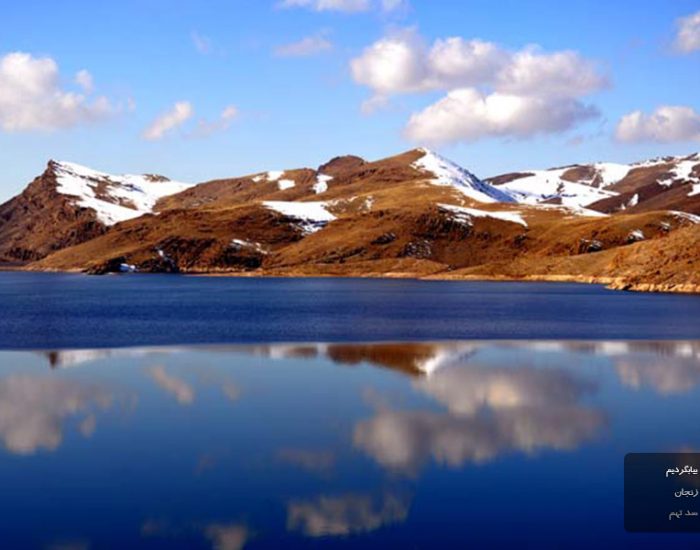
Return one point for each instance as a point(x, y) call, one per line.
point(413, 214)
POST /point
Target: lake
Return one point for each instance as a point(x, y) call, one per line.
point(465, 444)
point(46, 311)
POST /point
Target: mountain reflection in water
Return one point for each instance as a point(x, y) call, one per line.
point(293, 445)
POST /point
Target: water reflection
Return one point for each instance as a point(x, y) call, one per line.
point(33, 410)
point(345, 514)
point(490, 410)
point(291, 445)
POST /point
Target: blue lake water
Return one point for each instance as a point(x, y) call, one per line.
point(410, 445)
point(42, 311)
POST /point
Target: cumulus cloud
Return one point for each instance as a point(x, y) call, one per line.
point(667, 123)
point(180, 113)
point(402, 62)
point(688, 34)
point(307, 46)
point(395, 64)
point(558, 74)
point(345, 514)
point(181, 390)
point(32, 98)
point(481, 75)
point(33, 409)
point(467, 114)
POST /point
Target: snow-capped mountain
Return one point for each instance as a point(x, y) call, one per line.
point(448, 173)
point(413, 214)
point(113, 198)
point(665, 182)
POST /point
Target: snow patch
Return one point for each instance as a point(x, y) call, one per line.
point(239, 244)
point(308, 216)
point(285, 184)
point(636, 235)
point(321, 185)
point(465, 215)
point(113, 198)
point(610, 173)
point(573, 210)
point(274, 175)
point(449, 174)
point(546, 185)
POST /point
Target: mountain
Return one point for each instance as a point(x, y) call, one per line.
point(69, 204)
point(668, 183)
point(415, 214)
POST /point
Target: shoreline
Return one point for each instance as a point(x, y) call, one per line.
point(610, 283)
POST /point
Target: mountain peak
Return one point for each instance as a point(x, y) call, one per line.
point(113, 198)
point(449, 173)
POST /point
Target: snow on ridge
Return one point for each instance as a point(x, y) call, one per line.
point(272, 175)
point(285, 184)
point(573, 210)
point(448, 173)
point(465, 215)
point(308, 216)
point(693, 218)
point(544, 185)
point(321, 185)
point(113, 198)
point(610, 173)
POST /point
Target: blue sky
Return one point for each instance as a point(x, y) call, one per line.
point(299, 103)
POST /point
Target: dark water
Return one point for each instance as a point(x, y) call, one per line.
point(42, 311)
point(463, 445)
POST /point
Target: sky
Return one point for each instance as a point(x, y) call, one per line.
point(198, 90)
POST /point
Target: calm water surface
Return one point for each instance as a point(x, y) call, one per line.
point(44, 311)
point(463, 444)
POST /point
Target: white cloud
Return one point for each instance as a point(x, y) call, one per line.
point(31, 96)
point(560, 74)
point(307, 46)
point(395, 64)
point(667, 123)
point(458, 62)
point(181, 390)
point(402, 63)
point(84, 80)
point(348, 6)
point(494, 91)
point(168, 121)
point(688, 35)
point(201, 43)
point(206, 127)
point(467, 114)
